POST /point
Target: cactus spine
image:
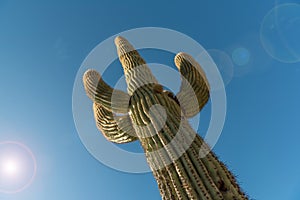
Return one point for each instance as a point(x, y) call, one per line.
point(158, 119)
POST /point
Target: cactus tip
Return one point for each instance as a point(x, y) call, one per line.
point(183, 56)
point(120, 39)
point(123, 46)
point(91, 79)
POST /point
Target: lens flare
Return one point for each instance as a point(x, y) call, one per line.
point(241, 56)
point(225, 66)
point(17, 167)
point(279, 33)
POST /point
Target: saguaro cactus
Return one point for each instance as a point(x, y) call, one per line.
point(158, 119)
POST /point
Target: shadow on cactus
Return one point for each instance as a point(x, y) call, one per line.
point(158, 119)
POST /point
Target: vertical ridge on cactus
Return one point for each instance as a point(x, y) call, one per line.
point(158, 119)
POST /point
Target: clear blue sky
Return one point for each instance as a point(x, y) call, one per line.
point(42, 45)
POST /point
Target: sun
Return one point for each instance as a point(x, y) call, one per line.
point(10, 167)
point(17, 167)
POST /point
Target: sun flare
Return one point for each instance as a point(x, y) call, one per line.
point(17, 167)
point(10, 167)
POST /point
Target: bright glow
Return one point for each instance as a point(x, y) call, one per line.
point(10, 167)
point(17, 167)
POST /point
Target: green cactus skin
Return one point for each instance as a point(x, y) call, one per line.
point(158, 120)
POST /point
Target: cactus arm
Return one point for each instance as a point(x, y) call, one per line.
point(128, 56)
point(116, 129)
point(136, 71)
point(193, 79)
point(101, 93)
